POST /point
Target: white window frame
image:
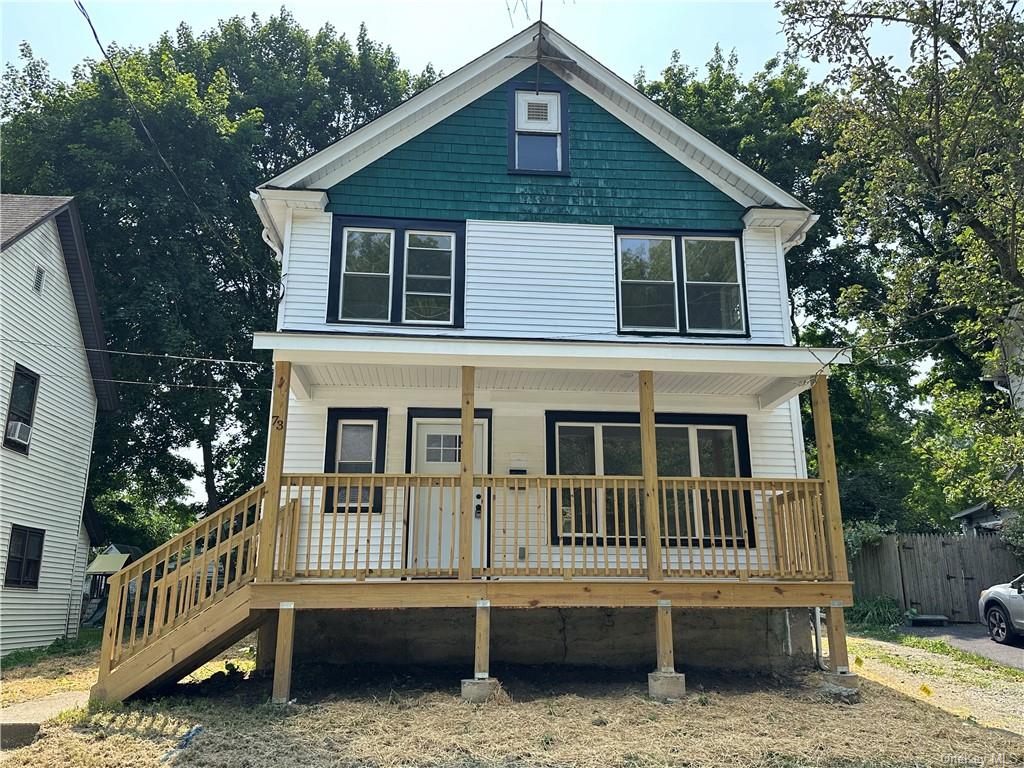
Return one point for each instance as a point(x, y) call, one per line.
point(739, 283)
point(360, 505)
point(598, 427)
point(451, 279)
point(553, 127)
point(675, 281)
point(344, 272)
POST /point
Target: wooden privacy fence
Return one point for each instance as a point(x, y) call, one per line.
point(933, 573)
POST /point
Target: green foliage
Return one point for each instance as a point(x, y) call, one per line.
point(228, 108)
point(858, 533)
point(88, 640)
point(880, 611)
point(1012, 534)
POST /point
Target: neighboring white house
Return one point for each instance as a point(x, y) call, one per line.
point(54, 375)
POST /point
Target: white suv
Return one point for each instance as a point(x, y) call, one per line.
point(1001, 608)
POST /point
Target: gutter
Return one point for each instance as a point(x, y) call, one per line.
point(801, 232)
point(271, 236)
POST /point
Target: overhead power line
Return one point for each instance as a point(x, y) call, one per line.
point(135, 354)
point(156, 148)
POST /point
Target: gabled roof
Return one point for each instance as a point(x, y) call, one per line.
point(538, 42)
point(19, 215)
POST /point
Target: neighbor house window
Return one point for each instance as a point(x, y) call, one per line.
point(684, 450)
point(429, 277)
point(367, 262)
point(21, 409)
point(24, 557)
point(647, 283)
point(356, 447)
point(714, 294)
point(539, 136)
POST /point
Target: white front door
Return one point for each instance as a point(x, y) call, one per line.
point(433, 526)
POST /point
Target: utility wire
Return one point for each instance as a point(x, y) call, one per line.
point(145, 129)
point(185, 386)
point(135, 354)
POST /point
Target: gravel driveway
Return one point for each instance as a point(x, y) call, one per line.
point(974, 639)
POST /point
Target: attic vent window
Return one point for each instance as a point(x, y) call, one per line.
point(538, 144)
point(37, 282)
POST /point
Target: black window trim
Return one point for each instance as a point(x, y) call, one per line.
point(398, 227)
point(738, 422)
point(563, 108)
point(29, 531)
point(336, 415)
point(23, 371)
point(678, 235)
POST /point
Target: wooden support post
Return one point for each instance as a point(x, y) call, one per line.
point(283, 655)
point(466, 474)
point(274, 469)
point(649, 457)
point(834, 620)
point(266, 644)
point(482, 663)
point(666, 653)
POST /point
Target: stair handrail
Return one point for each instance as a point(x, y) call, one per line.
point(175, 578)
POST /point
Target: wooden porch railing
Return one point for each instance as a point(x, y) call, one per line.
point(403, 525)
point(180, 578)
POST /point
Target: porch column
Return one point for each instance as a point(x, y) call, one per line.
point(649, 457)
point(466, 474)
point(283, 653)
point(664, 683)
point(481, 686)
point(834, 620)
point(274, 469)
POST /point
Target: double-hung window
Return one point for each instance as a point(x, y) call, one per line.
point(684, 451)
point(714, 294)
point(24, 557)
point(429, 277)
point(674, 283)
point(367, 264)
point(647, 283)
point(21, 409)
point(356, 447)
point(538, 142)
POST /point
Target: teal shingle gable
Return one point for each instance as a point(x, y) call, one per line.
point(458, 169)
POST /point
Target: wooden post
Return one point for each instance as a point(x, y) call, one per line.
point(649, 456)
point(466, 474)
point(835, 622)
point(274, 469)
point(283, 655)
point(482, 664)
point(666, 653)
point(266, 644)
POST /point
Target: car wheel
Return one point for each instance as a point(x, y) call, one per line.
point(998, 624)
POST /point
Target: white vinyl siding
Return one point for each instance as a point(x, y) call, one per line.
point(61, 439)
point(518, 440)
point(530, 280)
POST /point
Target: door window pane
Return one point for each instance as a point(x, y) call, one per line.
point(720, 508)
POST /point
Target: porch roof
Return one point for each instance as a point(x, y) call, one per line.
point(766, 375)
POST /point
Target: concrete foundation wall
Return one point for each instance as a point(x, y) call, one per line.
point(722, 639)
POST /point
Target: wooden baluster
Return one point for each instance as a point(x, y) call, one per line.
point(553, 522)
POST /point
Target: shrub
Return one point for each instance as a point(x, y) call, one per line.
point(880, 611)
point(1012, 535)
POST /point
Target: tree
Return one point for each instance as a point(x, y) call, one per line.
point(181, 269)
point(934, 191)
point(766, 122)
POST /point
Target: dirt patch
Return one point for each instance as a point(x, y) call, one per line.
point(990, 697)
point(49, 675)
point(379, 718)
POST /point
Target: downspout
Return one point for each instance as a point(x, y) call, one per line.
point(801, 233)
point(818, 658)
point(270, 234)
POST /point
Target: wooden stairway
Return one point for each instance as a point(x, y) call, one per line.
point(182, 604)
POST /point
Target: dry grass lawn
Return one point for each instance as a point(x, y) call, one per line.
point(48, 675)
point(380, 718)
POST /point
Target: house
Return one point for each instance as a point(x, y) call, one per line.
point(535, 394)
point(54, 375)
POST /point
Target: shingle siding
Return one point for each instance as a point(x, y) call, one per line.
point(458, 169)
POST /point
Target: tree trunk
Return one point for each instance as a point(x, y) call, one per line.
point(209, 476)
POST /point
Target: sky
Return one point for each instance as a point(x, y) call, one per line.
point(624, 36)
